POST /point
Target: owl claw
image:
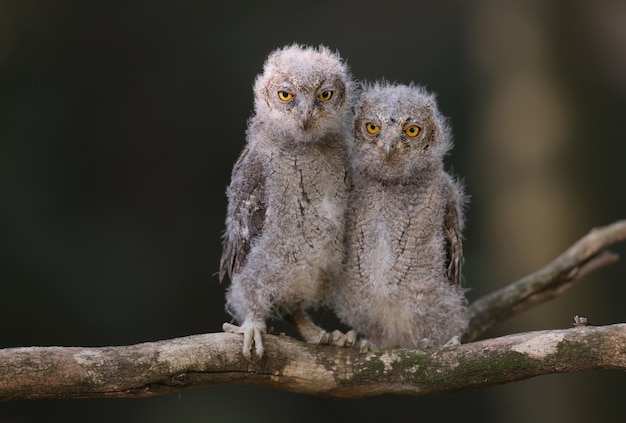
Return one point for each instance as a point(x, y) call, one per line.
point(252, 338)
point(455, 341)
point(343, 340)
point(324, 338)
point(426, 344)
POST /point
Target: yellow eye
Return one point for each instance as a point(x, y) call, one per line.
point(372, 128)
point(284, 95)
point(325, 95)
point(412, 130)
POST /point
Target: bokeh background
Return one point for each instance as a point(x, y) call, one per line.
point(120, 122)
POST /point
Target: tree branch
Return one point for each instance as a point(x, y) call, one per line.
point(155, 368)
point(586, 255)
point(166, 366)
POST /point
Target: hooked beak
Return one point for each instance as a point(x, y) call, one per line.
point(387, 146)
point(306, 117)
point(387, 149)
point(305, 122)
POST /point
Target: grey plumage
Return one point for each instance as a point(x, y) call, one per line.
point(402, 282)
point(287, 197)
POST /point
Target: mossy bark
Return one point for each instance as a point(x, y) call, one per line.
point(166, 366)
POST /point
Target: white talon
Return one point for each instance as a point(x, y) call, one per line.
point(252, 338)
point(455, 341)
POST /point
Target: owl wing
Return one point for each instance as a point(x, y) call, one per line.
point(452, 229)
point(246, 211)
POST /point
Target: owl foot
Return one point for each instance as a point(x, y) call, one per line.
point(343, 340)
point(321, 338)
point(251, 338)
point(426, 344)
point(455, 341)
point(311, 333)
point(364, 346)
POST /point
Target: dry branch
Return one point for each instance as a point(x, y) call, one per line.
point(212, 359)
point(588, 254)
point(166, 366)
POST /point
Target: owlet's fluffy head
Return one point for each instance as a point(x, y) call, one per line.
point(399, 133)
point(304, 93)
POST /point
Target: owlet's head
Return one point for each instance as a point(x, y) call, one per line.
point(399, 132)
point(304, 93)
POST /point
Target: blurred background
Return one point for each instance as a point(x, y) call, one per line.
point(120, 122)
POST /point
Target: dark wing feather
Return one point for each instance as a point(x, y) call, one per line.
point(246, 212)
point(452, 229)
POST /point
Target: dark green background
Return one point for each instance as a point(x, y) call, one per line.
point(120, 122)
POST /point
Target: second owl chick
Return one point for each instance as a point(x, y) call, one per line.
point(402, 286)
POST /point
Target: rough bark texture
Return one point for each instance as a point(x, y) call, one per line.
point(160, 367)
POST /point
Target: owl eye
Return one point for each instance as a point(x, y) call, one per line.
point(325, 95)
point(412, 130)
point(372, 128)
point(284, 95)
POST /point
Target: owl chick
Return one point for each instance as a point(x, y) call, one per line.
point(287, 198)
point(402, 284)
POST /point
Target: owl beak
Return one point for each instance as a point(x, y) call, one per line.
point(305, 121)
point(387, 146)
point(306, 117)
point(387, 150)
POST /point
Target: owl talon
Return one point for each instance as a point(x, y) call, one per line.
point(343, 340)
point(426, 344)
point(455, 341)
point(230, 328)
point(252, 338)
point(337, 339)
point(364, 346)
point(351, 341)
point(324, 338)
